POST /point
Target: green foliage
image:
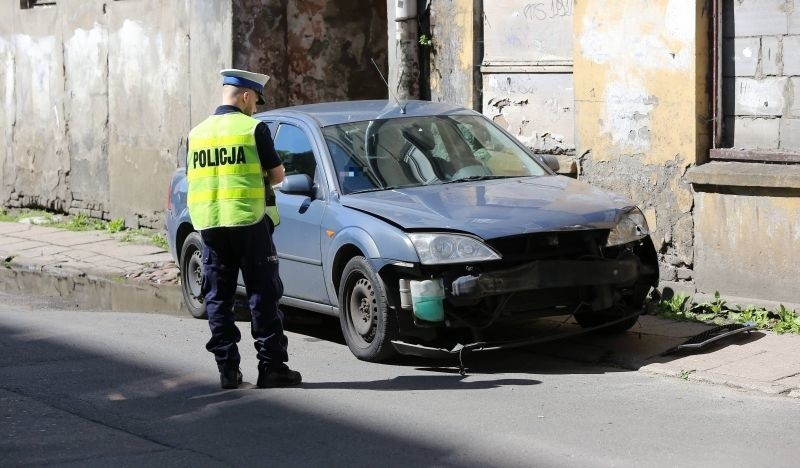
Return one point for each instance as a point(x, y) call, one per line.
point(115, 225)
point(6, 216)
point(425, 41)
point(144, 236)
point(680, 307)
point(716, 307)
point(159, 240)
point(787, 322)
point(81, 222)
point(685, 373)
point(674, 307)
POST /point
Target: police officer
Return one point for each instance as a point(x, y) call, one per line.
point(230, 155)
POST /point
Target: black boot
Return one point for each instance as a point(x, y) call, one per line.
point(229, 376)
point(277, 374)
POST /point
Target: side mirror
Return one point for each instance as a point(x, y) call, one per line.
point(297, 184)
point(550, 161)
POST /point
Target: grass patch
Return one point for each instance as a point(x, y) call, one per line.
point(5, 216)
point(144, 236)
point(83, 222)
point(159, 240)
point(717, 311)
point(115, 225)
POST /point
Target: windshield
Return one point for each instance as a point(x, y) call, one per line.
point(413, 151)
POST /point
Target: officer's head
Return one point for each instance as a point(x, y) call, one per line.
point(243, 89)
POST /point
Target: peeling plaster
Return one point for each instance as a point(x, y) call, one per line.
point(627, 110)
point(38, 52)
point(611, 36)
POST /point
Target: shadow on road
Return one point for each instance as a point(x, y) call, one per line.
point(63, 403)
point(422, 382)
point(644, 344)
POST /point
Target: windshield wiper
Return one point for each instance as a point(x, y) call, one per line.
point(377, 189)
point(478, 177)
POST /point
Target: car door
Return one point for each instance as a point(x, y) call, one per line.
point(297, 238)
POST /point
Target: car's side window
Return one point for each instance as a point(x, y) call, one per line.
point(295, 151)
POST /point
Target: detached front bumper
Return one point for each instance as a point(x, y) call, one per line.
point(547, 274)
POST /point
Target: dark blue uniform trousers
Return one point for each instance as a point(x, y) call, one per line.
point(249, 248)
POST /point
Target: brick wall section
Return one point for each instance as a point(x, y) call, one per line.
point(761, 74)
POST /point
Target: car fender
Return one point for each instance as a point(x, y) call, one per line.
point(381, 245)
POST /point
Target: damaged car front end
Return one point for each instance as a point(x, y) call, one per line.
point(416, 222)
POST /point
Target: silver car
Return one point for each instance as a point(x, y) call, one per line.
point(409, 221)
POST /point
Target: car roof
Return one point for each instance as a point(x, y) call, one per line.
point(333, 113)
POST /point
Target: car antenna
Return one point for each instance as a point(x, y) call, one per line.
point(402, 107)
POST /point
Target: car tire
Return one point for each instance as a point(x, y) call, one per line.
point(368, 324)
point(595, 319)
point(192, 275)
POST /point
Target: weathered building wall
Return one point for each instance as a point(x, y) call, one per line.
point(455, 52)
point(761, 74)
point(98, 96)
point(527, 72)
point(314, 51)
point(148, 68)
point(260, 44)
point(37, 160)
point(98, 101)
point(747, 227)
point(747, 214)
point(642, 101)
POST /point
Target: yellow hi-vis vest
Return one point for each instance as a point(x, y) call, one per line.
point(226, 185)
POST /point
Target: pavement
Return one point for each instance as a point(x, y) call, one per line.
point(145, 276)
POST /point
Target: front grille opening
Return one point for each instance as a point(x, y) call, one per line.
point(550, 245)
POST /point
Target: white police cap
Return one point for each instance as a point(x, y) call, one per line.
point(245, 79)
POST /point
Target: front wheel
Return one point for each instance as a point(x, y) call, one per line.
point(594, 319)
point(192, 275)
point(367, 322)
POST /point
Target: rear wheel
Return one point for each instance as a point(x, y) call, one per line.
point(192, 275)
point(367, 322)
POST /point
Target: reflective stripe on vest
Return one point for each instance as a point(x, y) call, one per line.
point(226, 185)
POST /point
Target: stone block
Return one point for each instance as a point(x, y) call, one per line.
point(791, 56)
point(793, 109)
point(740, 56)
point(790, 134)
point(771, 56)
point(755, 18)
point(752, 133)
point(667, 272)
point(684, 274)
point(794, 20)
point(764, 97)
point(683, 240)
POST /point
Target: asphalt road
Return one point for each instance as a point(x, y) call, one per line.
point(95, 388)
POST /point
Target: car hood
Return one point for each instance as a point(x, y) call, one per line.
point(495, 208)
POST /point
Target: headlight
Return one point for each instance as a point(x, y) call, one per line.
point(438, 248)
point(631, 227)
